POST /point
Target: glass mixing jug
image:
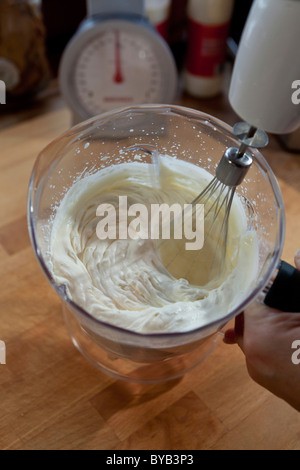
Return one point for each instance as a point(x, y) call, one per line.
point(101, 142)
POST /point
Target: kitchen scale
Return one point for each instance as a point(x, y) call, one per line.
point(116, 59)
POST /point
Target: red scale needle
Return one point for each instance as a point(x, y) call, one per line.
point(118, 78)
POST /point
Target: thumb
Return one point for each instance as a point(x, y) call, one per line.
point(297, 259)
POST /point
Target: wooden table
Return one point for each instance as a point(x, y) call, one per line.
point(52, 398)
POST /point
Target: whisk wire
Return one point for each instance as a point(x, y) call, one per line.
point(222, 238)
point(202, 199)
point(209, 188)
point(223, 234)
point(216, 203)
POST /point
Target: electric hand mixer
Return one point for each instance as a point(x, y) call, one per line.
point(261, 89)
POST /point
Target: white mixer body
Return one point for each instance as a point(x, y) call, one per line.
point(268, 66)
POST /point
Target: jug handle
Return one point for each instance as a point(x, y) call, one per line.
point(284, 293)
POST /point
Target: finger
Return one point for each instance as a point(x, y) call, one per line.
point(239, 330)
point(235, 335)
point(229, 336)
point(297, 259)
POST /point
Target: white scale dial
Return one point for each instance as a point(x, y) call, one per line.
point(116, 63)
point(126, 57)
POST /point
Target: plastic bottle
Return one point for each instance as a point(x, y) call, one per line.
point(158, 13)
point(208, 27)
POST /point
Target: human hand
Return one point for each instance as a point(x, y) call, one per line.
point(266, 336)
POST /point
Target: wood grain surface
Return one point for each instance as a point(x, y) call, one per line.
point(52, 398)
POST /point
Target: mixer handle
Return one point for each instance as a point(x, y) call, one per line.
point(284, 294)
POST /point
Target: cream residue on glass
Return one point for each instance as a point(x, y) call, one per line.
point(123, 282)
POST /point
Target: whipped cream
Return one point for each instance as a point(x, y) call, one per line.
point(123, 282)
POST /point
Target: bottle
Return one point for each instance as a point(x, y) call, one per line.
point(158, 13)
point(208, 27)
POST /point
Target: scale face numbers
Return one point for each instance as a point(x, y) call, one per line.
point(117, 63)
point(126, 57)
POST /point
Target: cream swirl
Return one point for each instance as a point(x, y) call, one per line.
point(123, 282)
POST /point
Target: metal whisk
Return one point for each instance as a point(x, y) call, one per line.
point(208, 264)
